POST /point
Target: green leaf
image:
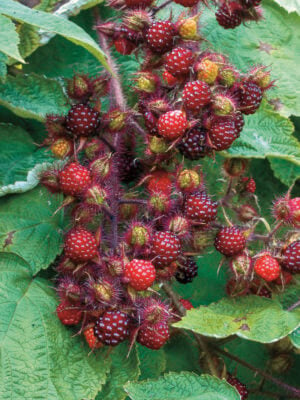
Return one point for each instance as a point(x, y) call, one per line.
point(285, 171)
point(29, 229)
point(183, 386)
point(40, 358)
point(290, 5)
point(9, 39)
point(295, 338)
point(33, 96)
point(267, 134)
point(153, 363)
point(123, 370)
point(3, 67)
point(272, 42)
point(54, 24)
point(29, 39)
point(252, 317)
point(21, 161)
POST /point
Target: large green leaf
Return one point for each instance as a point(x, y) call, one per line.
point(54, 24)
point(3, 67)
point(267, 134)
point(183, 386)
point(252, 317)
point(21, 161)
point(40, 358)
point(273, 42)
point(33, 96)
point(295, 338)
point(123, 370)
point(153, 363)
point(284, 170)
point(9, 38)
point(290, 5)
point(29, 229)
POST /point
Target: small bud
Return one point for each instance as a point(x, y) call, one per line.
point(116, 265)
point(228, 76)
point(124, 46)
point(115, 120)
point(178, 225)
point(93, 148)
point(146, 82)
point(158, 105)
point(246, 213)
point(95, 195)
point(159, 202)
point(201, 239)
point(50, 179)
point(138, 235)
point(79, 87)
point(188, 180)
point(83, 214)
point(100, 86)
point(223, 105)
point(241, 265)
point(61, 148)
point(207, 71)
point(235, 167)
point(101, 167)
point(55, 125)
point(128, 211)
point(188, 28)
point(158, 145)
point(137, 20)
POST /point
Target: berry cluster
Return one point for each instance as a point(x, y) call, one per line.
point(231, 14)
point(139, 215)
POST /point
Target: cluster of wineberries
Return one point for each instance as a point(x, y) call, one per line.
point(139, 215)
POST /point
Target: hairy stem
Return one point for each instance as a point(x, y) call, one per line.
point(293, 306)
point(290, 389)
point(116, 99)
point(133, 201)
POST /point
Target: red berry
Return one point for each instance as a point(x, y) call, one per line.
point(150, 122)
point(250, 186)
point(186, 304)
point(82, 120)
point(179, 61)
point(229, 16)
point(250, 97)
point(80, 245)
point(294, 211)
point(170, 79)
point(222, 134)
point(74, 179)
point(230, 241)
point(172, 124)
point(187, 3)
point(165, 248)
point(91, 339)
point(284, 279)
point(140, 274)
point(187, 271)
point(193, 144)
point(160, 182)
point(154, 336)
point(267, 267)
point(200, 207)
point(196, 95)
point(291, 257)
point(68, 313)
point(138, 3)
point(240, 387)
point(239, 122)
point(124, 46)
point(160, 36)
point(112, 328)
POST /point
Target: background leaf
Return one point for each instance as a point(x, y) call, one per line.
point(123, 370)
point(290, 5)
point(251, 317)
point(54, 24)
point(39, 357)
point(29, 229)
point(183, 386)
point(152, 363)
point(33, 96)
point(21, 161)
point(9, 38)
